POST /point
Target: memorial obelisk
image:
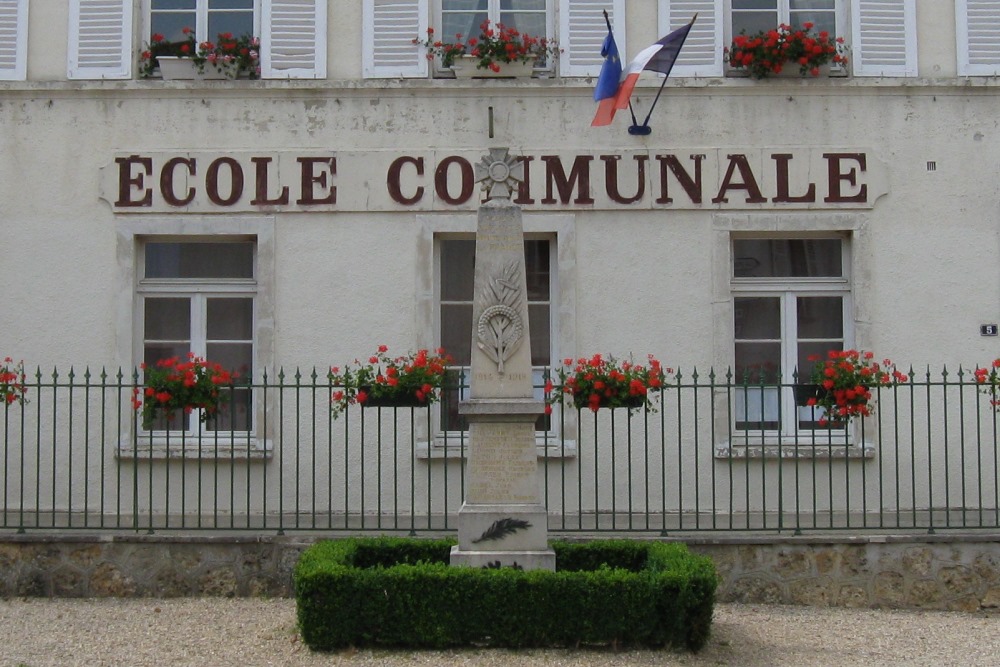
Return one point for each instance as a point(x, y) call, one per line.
point(502, 519)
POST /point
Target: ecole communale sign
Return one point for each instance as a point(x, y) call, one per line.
point(243, 181)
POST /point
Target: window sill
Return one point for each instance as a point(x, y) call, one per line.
point(546, 448)
point(190, 448)
point(802, 448)
point(792, 73)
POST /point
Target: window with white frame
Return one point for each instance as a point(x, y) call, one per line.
point(791, 299)
point(455, 303)
point(753, 16)
point(463, 17)
point(208, 18)
point(198, 297)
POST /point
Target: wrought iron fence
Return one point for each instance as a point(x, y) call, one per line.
point(715, 455)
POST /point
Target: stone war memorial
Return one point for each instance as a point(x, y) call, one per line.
point(502, 519)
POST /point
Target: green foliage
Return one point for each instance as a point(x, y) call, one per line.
point(402, 592)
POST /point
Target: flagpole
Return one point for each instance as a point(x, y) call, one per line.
point(607, 19)
point(645, 129)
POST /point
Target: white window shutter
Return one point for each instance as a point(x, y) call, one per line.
point(293, 39)
point(13, 40)
point(582, 30)
point(100, 39)
point(388, 30)
point(701, 54)
point(978, 37)
point(884, 38)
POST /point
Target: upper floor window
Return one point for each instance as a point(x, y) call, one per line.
point(753, 16)
point(104, 44)
point(208, 18)
point(461, 17)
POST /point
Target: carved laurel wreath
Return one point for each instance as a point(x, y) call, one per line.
point(500, 327)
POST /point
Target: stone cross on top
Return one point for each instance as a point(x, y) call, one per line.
point(499, 173)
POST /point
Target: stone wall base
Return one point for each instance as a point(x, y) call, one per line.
point(942, 572)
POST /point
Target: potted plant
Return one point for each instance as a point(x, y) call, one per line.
point(171, 385)
point(158, 47)
point(412, 380)
point(989, 379)
point(845, 380)
point(769, 51)
point(604, 382)
point(495, 52)
point(228, 57)
point(12, 382)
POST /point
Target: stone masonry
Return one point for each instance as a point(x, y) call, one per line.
point(940, 572)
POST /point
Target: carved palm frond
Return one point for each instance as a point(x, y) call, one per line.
point(501, 528)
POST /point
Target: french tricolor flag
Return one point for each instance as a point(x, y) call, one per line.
point(659, 57)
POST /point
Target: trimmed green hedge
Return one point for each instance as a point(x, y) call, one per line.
point(402, 592)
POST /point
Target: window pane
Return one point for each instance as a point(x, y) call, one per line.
point(173, 4)
point(757, 363)
point(156, 351)
point(523, 5)
point(234, 357)
point(455, 389)
point(199, 260)
point(806, 350)
point(821, 21)
point(171, 26)
point(753, 22)
point(167, 319)
point(536, 269)
point(757, 408)
point(238, 23)
point(757, 318)
point(528, 24)
point(538, 323)
point(784, 258)
point(234, 413)
point(820, 317)
point(464, 5)
point(456, 332)
point(230, 4)
point(755, 4)
point(230, 319)
point(458, 263)
point(811, 4)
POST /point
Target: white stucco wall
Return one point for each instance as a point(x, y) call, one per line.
point(646, 278)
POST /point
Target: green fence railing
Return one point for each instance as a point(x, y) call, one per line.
point(715, 455)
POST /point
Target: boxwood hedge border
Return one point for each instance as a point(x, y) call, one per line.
point(390, 591)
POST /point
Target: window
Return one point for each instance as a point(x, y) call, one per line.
point(752, 16)
point(208, 18)
point(199, 297)
point(464, 17)
point(457, 269)
point(791, 299)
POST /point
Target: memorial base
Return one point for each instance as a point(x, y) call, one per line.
point(525, 560)
point(508, 533)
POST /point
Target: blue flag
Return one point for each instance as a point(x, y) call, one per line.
point(611, 70)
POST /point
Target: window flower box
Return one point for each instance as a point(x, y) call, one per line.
point(786, 51)
point(465, 67)
point(228, 57)
point(498, 51)
point(175, 68)
point(604, 382)
point(412, 380)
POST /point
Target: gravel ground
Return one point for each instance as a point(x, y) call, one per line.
point(254, 632)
